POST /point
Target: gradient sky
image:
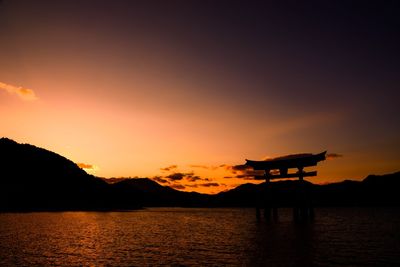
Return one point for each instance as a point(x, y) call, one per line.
point(132, 88)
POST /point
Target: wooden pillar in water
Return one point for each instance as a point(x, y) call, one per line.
point(270, 209)
point(274, 203)
point(302, 198)
point(258, 201)
point(267, 213)
point(311, 213)
point(296, 213)
point(267, 199)
point(275, 213)
point(302, 210)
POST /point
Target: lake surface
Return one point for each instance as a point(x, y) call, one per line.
point(201, 237)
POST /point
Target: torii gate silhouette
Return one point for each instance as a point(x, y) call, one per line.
point(277, 168)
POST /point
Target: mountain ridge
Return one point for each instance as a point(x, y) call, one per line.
point(34, 178)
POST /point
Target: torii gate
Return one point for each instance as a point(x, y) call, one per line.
point(283, 164)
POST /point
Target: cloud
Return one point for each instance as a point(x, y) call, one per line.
point(160, 179)
point(234, 169)
point(195, 185)
point(169, 168)
point(209, 184)
point(199, 166)
point(242, 172)
point(245, 177)
point(177, 186)
point(23, 93)
point(192, 185)
point(176, 176)
point(89, 168)
point(114, 180)
point(240, 167)
point(213, 168)
point(292, 156)
point(333, 156)
point(84, 166)
point(193, 178)
point(249, 175)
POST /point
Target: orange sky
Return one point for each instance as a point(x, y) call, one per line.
point(112, 90)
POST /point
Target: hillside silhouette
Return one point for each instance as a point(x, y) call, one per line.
point(374, 190)
point(149, 193)
point(33, 178)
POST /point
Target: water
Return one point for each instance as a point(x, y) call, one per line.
point(200, 237)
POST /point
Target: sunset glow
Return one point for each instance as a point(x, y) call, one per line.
point(183, 94)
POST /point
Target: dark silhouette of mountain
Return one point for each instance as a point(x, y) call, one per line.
point(372, 191)
point(243, 195)
point(346, 193)
point(283, 193)
point(149, 193)
point(381, 190)
point(33, 178)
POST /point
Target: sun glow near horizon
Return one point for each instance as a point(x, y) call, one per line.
point(121, 142)
point(134, 92)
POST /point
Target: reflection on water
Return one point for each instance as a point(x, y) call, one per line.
point(177, 236)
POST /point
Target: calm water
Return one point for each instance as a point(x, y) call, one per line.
point(212, 237)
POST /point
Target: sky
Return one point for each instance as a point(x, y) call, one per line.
point(184, 91)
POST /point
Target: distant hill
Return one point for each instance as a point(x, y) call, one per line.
point(149, 193)
point(33, 178)
point(374, 190)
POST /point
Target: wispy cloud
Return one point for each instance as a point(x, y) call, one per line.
point(213, 168)
point(178, 186)
point(169, 168)
point(304, 122)
point(184, 186)
point(236, 168)
point(90, 168)
point(176, 176)
point(23, 93)
point(85, 166)
point(209, 184)
point(333, 155)
point(242, 172)
point(159, 179)
point(192, 185)
point(193, 178)
point(185, 180)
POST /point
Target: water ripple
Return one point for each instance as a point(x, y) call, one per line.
point(193, 237)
